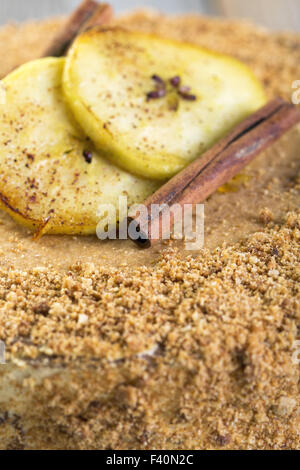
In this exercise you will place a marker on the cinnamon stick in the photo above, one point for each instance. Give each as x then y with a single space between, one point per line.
89 14
102 16
216 166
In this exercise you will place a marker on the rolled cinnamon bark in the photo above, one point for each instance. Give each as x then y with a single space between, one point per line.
215 167
90 13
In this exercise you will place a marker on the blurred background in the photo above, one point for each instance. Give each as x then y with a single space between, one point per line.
275 14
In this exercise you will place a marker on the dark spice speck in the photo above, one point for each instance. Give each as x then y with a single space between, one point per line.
223 441
88 156
42 309
275 252
158 79
154 95
188 97
175 81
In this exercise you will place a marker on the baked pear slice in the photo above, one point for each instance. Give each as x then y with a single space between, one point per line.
51 177
152 104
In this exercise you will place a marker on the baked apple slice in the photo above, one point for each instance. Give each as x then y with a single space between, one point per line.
154 105
51 177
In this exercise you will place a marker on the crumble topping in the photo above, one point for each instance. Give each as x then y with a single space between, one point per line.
216 301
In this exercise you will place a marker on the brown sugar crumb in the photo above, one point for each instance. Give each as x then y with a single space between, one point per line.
223 441
42 309
266 216
292 220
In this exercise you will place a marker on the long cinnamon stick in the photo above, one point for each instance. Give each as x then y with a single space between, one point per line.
90 13
216 166
102 16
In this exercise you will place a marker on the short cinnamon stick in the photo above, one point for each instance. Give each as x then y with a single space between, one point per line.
89 14
217 166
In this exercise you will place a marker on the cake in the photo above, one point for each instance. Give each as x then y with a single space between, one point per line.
108 347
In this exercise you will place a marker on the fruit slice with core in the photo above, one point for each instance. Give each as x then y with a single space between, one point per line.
51 177
153 105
